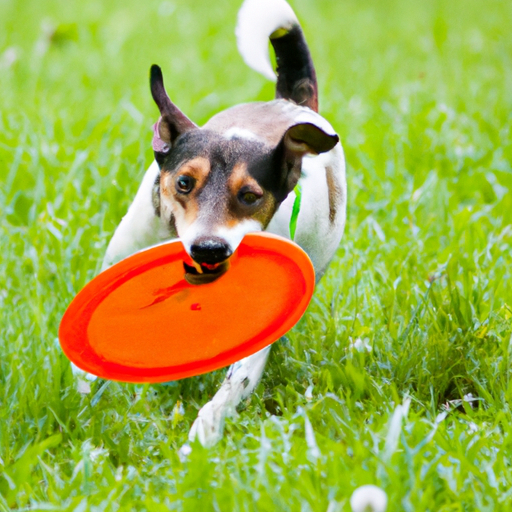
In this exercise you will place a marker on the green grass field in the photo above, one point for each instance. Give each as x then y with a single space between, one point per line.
400 372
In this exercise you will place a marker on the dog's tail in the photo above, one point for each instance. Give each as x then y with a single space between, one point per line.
259 20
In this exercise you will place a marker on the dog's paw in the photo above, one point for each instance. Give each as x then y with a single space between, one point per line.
208 427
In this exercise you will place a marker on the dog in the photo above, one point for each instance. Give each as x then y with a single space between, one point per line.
240 173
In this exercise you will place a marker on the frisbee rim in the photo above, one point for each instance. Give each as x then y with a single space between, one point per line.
78 348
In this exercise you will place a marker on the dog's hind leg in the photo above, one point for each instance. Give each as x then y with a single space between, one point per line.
241 380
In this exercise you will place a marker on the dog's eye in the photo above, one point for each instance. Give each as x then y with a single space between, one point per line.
249 197
184 184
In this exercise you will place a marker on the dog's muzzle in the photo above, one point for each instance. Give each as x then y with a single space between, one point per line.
210 256
210 251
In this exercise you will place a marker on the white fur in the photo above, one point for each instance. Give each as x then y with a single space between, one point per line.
241 379
140 227
242 133
192 233
257 20
306 115
314 231
233 236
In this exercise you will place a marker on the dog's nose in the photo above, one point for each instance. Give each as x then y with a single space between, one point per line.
210 250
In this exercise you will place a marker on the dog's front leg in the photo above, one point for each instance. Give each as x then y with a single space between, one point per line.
141 227
241 380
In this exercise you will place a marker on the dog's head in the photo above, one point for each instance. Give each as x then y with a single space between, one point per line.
222 181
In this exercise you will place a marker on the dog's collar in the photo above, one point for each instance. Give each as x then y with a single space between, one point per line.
295 210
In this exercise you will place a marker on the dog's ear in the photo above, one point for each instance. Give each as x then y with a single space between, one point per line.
172 123
298 140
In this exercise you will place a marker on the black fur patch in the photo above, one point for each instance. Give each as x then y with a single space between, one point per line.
264 163
296 76
156 196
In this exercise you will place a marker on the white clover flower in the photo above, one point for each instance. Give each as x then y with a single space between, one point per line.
83 387
361 345
184 452
368 498
9 57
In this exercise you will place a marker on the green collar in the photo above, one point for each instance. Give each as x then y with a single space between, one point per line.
295 211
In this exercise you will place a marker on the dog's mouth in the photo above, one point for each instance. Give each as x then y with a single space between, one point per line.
204 273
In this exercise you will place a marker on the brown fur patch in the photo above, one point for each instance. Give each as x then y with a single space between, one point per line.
240 178
335 192
267 121
262 212
197 168
266 210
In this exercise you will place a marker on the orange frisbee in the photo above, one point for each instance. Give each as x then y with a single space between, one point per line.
142 321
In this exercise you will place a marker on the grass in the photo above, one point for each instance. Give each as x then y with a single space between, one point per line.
421 95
